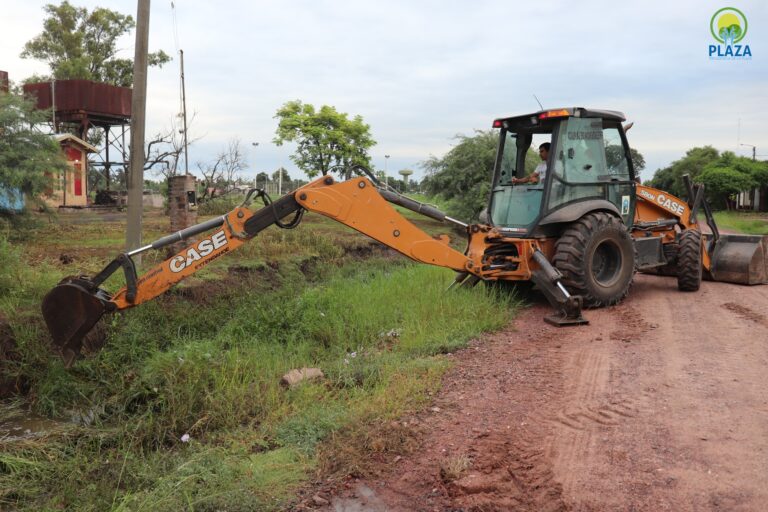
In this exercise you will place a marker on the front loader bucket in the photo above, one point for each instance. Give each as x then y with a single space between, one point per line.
741 259
70 310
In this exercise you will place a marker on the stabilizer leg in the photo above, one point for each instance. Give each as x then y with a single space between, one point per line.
568 306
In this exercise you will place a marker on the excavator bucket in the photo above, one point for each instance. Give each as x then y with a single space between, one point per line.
70 310
741 259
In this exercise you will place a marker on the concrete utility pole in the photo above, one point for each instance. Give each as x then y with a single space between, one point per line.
138 113
754 150
386 172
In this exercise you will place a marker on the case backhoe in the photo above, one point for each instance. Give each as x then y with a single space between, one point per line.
579 235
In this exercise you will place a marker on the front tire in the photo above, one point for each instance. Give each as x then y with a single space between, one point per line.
689 269
596 256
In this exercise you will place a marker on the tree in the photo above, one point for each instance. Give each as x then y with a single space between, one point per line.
614 156
729 175
276 176
27 156
262 178
233 160
165 150
223 171
324 138
695 160
721 183
80 44
463 175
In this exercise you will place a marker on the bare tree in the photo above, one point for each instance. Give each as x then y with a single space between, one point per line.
224 171
165 150
212 174
234 162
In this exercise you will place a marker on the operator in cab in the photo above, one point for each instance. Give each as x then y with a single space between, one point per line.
538 175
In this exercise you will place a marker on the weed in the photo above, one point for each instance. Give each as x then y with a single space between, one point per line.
453 467
220 205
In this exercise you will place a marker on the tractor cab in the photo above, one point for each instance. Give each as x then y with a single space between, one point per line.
588 168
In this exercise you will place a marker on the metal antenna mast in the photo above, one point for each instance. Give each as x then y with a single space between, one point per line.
184 113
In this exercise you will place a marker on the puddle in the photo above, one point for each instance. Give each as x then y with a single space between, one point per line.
25 425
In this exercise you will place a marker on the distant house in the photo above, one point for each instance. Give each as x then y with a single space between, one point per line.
70 188
755 199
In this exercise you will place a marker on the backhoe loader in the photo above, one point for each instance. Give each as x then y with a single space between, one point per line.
579 235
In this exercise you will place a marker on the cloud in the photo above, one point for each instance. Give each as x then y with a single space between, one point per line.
421 72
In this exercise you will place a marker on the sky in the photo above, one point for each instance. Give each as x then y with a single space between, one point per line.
422 72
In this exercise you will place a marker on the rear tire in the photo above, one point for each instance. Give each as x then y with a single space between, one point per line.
689 269
596 256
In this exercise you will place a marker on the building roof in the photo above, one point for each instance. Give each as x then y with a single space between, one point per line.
62 137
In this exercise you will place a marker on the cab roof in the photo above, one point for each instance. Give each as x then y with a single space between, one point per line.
551 113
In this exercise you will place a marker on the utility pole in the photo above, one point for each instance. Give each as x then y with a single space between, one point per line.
754 150
386 172
138 113
255 172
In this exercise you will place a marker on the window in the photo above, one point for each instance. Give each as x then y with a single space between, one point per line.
579 162
615 157
581 157
508 159
513 206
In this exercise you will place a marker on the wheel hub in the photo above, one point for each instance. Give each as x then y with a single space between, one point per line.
606 263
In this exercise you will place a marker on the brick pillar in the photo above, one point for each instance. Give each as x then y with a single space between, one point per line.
182 206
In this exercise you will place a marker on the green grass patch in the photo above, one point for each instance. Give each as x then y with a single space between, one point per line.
742 222
205 361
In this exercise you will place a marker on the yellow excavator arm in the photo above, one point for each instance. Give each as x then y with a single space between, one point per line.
741 259
73 307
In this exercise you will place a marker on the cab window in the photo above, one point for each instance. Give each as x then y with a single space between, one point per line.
508 167
615 156
581 156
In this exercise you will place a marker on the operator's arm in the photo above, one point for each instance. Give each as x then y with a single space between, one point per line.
531 178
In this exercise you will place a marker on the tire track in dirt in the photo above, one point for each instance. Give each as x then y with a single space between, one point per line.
511 467
658 404
700 426
485 416
747 313
593 404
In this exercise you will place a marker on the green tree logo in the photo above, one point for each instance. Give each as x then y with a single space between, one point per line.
728 25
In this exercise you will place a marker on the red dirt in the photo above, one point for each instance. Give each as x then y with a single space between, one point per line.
658 404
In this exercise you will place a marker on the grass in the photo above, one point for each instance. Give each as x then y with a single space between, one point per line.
742 222
205 361
454 467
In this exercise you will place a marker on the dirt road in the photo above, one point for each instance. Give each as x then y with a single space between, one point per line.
661 403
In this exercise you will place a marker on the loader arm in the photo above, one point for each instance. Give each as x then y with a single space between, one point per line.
73 307
741 259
